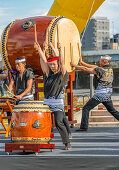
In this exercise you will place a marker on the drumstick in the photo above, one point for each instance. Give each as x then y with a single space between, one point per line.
35 33
9 91
71 53
64 54
57 34
48 35
79 52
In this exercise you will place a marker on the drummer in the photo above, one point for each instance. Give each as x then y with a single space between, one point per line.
55 80
22 80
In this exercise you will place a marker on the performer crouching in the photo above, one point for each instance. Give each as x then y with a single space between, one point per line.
55 80
23 81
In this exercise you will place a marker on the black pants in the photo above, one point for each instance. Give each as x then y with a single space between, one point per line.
66 123
60 125
90 105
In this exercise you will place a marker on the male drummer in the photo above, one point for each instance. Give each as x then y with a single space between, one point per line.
22 80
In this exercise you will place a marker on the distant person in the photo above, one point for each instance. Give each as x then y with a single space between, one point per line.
103 78
3 75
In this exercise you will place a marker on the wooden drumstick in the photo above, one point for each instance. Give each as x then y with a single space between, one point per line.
64 54
79 52
9 91
48 35
71 53
35 33
57 34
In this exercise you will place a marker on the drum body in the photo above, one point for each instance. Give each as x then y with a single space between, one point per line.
17 41
31 122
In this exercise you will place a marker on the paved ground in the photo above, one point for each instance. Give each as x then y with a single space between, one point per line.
98 141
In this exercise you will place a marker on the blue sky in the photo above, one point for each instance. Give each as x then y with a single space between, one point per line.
18 9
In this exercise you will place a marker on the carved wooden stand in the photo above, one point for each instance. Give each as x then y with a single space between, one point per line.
5 108
9 147
34 147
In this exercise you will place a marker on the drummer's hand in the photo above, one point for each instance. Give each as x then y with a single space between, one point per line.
72 64
50 44
19 97
37 46
59 46
4 68
45 45
81 63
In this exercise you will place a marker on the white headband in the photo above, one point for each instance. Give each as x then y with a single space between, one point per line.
22 60
106 58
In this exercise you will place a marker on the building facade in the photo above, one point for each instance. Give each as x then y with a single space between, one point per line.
97 34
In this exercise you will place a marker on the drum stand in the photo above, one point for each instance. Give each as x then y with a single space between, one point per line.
69 106
34 147
5 108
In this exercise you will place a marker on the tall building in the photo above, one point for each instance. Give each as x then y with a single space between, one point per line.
114 42
97 35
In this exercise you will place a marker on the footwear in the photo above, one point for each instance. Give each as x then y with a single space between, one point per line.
80 130
70 136
68 146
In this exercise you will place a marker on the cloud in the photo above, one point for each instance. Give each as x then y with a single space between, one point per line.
39 12
110 9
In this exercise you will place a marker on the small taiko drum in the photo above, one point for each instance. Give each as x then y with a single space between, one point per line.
31 122
19 36
11 100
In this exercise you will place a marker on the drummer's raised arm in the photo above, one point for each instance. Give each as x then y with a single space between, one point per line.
56 53
61 60
43 60
11 85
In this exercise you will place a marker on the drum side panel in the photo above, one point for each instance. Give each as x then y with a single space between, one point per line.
21 43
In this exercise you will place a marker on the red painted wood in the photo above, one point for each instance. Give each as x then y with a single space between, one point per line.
9 147
52 135
21 43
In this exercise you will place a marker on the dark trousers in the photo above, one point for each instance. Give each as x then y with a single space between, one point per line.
60 125
66 123
90 105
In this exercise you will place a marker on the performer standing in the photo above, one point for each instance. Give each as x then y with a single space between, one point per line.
103 88
55 80
23 81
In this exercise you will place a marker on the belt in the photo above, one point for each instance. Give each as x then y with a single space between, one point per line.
53 101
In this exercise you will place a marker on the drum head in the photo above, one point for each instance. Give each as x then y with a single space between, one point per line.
66 32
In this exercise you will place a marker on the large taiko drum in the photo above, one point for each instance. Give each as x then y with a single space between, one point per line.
18 40
31 122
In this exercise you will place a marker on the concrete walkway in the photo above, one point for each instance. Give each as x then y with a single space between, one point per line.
98 141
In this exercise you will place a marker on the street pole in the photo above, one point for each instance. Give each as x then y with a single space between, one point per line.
91 85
